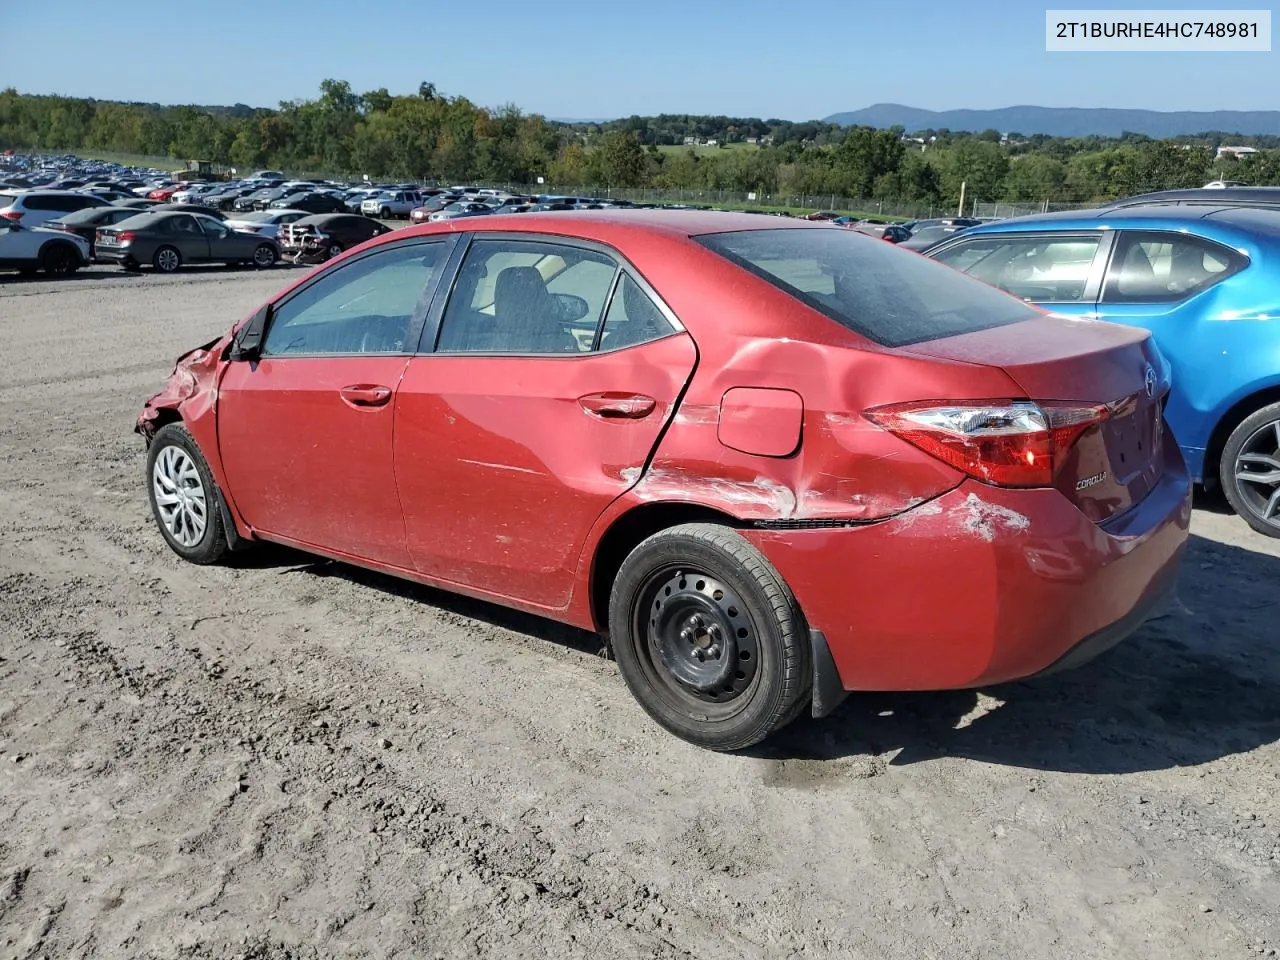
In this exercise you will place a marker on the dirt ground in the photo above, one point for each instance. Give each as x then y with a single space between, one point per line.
291 758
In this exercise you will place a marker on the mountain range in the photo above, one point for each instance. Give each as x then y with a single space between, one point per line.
1065 121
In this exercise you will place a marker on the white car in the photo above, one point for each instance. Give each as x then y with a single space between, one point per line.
28 249
32 208
265 223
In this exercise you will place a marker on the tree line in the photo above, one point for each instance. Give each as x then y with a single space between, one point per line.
429 135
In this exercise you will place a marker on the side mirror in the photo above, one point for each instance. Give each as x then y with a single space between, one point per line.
571 307
247 344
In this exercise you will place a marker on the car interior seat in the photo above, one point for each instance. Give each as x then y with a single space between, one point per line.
527 318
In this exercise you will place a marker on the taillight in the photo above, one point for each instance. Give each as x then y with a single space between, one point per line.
126 237
12 214
1003 442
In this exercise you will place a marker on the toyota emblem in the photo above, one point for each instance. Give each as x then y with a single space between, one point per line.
1150 381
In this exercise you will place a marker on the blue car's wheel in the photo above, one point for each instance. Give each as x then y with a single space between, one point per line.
1250 470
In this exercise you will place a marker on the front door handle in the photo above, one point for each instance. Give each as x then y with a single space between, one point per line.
618 406
365 395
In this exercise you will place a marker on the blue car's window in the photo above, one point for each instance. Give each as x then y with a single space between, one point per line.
1162 267
1040 269
890 296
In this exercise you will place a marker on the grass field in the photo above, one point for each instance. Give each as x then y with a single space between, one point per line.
707 151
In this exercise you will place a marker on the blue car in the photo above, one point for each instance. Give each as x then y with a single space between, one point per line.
1205 281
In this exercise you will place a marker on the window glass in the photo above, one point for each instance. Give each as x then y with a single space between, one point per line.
362 307
182 224
632 318
887 295
1038 269
38 201
517 296
214 228
1152 267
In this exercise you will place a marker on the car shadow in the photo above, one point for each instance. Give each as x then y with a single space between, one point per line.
1198 683
1194 685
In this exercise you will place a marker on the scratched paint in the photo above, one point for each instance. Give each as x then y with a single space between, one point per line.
983 519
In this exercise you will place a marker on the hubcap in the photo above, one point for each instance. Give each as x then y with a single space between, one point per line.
168 260
700 636
180 496
1258 473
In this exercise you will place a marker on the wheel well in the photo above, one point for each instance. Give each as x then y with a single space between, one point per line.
164 417
627 532
55 243
1230 420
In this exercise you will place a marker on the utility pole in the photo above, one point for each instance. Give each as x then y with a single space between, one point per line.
960 210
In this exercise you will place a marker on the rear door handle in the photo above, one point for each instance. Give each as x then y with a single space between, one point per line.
618 406
365 395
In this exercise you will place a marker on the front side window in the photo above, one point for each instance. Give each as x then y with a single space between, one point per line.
366 306
890 296
517 296
1156 267
1038 269
214 229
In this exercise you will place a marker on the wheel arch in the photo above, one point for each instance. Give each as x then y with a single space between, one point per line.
1235 414
625 532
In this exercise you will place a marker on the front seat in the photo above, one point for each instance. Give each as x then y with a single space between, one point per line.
526 314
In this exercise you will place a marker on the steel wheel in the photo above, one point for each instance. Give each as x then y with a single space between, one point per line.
180 496
167 260
701 644
1257 473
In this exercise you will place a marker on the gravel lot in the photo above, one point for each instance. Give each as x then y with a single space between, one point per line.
291 758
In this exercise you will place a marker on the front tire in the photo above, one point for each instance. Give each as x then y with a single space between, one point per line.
334 250
264 255
167 259
184 499
708 637
1250 470
386 213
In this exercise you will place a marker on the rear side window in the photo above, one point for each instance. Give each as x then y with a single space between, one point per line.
41 201
6 199
1036 268
1161 267
889 296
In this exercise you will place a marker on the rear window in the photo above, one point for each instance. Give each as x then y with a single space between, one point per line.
889 296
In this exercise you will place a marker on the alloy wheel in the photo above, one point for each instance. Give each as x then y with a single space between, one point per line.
1257 471
263 256
167 260
180 496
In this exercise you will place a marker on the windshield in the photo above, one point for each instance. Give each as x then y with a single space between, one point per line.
887 295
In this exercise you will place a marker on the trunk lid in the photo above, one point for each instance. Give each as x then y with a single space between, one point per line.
1115 464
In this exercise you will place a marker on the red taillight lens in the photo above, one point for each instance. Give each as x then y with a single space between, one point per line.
1001 442
12 214
126 237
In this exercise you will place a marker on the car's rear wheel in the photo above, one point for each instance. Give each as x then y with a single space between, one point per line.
184 498
59 260
167 259
1250 470
264 255
708 637
333 250
386 213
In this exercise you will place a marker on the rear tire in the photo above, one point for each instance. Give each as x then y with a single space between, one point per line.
167 259
184 499
385 213
708 637
1250 470
334 249
59 260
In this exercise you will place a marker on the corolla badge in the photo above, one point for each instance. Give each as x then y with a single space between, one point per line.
1149 380
1087 482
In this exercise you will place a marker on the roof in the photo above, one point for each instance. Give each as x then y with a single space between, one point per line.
1208 195
1231 224
608 225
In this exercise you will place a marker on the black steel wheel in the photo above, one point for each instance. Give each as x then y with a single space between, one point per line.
1250 470
708 637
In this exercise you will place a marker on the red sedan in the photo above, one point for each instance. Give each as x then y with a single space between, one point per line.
773 461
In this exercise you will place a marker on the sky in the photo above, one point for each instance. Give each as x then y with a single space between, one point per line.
573 59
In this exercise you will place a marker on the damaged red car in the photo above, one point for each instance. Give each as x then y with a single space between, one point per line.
772 461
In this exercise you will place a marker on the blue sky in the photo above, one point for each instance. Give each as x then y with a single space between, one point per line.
569 58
